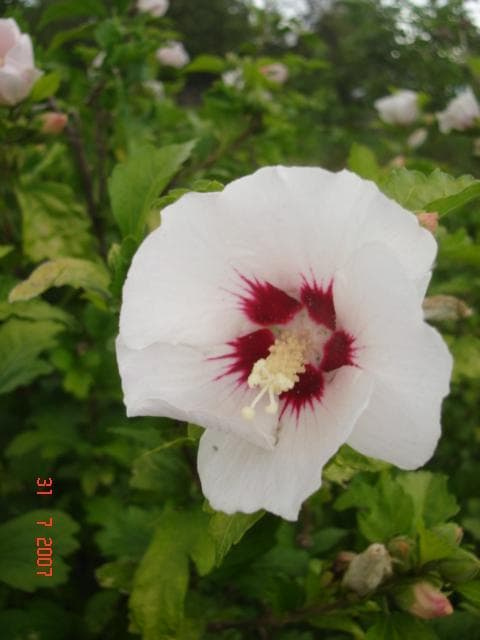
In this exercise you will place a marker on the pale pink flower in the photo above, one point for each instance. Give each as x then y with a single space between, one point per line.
275 72
173 54
53 122
461 112
156 8
400 108
17 68
284 315
429 602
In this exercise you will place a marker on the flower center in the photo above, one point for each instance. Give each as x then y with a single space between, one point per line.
278 372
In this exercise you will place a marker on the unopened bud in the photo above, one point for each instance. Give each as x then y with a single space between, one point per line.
53 122
397 162
428 220
417 138
343 560
445 308
423 600
275 72
462 566
368 569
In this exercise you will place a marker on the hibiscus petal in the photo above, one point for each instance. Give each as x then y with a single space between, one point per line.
406 359
239 476
278 225
186 384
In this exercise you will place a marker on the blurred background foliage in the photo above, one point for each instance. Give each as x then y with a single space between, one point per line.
136 550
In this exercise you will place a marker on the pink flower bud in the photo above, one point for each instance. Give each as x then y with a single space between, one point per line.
276 72
173 54
53 122
428 602
429 220
17 68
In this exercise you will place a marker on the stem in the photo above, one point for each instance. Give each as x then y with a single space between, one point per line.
73 132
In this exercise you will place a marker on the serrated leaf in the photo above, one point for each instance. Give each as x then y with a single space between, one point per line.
161 581
135 184
21 344
400 626
434 546
416 191
385 510
228 530
74 272
432 501
54 224
17 548
34 310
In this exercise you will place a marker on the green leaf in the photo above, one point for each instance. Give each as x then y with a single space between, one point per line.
5 249
18 551
227 530
161 581
416 191
206 63
54 224
46 86
35 310
385 510
21 343
337 622
471 592
74 272
400 626
135 184
347 463
450 204
68 9
362 161
432 501
435 545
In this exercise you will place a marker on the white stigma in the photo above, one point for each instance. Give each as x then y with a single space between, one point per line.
278 372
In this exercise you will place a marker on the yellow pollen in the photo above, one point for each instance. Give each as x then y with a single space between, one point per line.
278 372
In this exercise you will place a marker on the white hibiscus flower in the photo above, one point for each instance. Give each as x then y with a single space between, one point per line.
400 108
284 315
461 113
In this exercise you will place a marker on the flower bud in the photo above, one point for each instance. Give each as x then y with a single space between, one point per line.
275 72
462 566
17 69
423 600
402 550
368 569
173 54
445 308
343 560
417 138
428 220
53 122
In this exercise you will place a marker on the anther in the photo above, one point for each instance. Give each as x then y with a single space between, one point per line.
277 373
